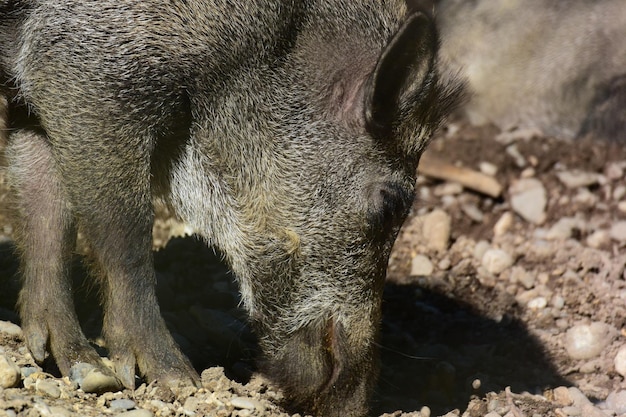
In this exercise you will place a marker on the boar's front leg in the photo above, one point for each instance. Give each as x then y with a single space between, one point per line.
106 185
46 239
108 178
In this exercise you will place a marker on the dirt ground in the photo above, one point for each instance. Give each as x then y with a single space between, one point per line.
512 305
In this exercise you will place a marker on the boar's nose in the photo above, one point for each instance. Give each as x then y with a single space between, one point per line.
326 370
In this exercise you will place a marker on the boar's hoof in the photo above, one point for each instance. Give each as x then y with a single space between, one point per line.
166 365
72 352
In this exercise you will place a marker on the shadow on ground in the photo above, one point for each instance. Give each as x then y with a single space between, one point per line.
434 349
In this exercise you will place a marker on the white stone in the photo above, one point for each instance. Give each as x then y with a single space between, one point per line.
537 303
576 179
614 171
444 264
618 231
616 401
527 173
586 341
563 228
421 266
448 188
473 212
529 199
496 260
514 153
436 230
584 196
480 248
9 328
521 275
620 361
598 238
245 403
9 372
511 136
619 192
584 407
503 224
562 396
488 168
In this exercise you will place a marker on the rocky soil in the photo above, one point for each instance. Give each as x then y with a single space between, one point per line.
510 305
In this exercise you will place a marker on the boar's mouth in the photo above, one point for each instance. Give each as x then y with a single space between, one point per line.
326 370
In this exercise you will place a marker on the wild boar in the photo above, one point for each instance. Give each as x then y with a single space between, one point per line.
287 134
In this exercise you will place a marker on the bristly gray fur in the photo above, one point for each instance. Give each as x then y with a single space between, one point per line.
262 125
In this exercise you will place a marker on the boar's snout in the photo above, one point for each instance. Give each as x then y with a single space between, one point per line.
327 370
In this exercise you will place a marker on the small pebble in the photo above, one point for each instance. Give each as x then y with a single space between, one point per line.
576 179
511 136
585 341
436 229
27 371
521 275
9 328
584 406
245 403
90 379
421 266
48 387
425 411
473 212
192 404
537 303
589 367
571 411
33 379
616 401
563 228
620 361
529 199
476 384
598 238
135 413
562 396
444 264
480 248
496 260
448 189
122 404
9 373
503 224
488 168
60 412
614 171
619 192
585 197
518 158
558 302
527 173
618 231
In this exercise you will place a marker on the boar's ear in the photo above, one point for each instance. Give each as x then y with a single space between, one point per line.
403 74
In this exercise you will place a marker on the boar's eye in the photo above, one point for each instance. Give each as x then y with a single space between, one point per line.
388 205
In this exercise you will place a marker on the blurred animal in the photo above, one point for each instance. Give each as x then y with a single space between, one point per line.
554 65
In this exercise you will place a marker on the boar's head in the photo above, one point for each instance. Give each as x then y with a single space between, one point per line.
318 187
351 158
